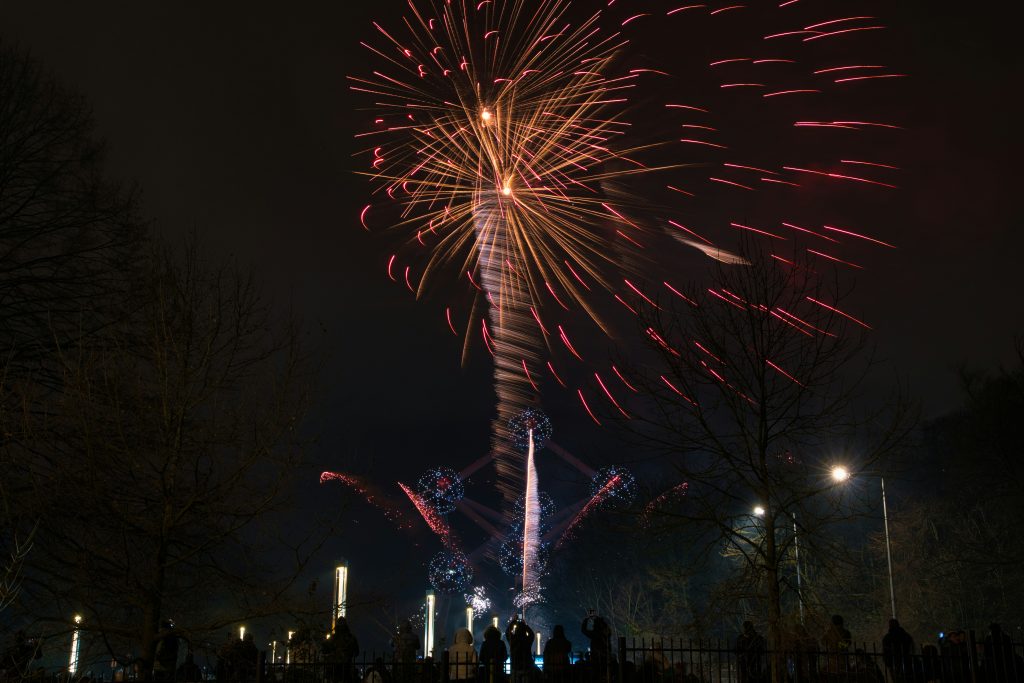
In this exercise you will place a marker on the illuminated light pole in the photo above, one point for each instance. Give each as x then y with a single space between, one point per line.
469 619
841 474
273 652
339 602
538 644
288 648
428 625
76 645
796 555
494 621
759 512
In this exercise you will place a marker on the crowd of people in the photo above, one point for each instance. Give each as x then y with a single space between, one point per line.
509 657
835 658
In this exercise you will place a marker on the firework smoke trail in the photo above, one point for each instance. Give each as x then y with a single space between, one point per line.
390 511
593 503
433 520
531 533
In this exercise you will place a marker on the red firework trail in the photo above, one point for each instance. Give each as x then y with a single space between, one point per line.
392 513
435 521
598 498
677 490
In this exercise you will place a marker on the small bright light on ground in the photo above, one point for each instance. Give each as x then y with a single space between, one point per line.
759 511
840 473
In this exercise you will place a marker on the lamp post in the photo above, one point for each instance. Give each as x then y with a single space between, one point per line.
428 625
841 474
76 645
340 602
759 512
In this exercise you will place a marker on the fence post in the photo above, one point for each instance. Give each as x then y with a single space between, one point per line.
972 655
622 659
261 661
445 657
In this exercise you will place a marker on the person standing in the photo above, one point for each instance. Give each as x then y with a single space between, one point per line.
520 641
462 657
836 641
898 653
556 656
600 634
493 655
750 654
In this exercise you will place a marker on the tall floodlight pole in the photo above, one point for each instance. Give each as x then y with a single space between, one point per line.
888 548
494 621
469 619
841 474
76 644
339 603
796 555
288 648
428 625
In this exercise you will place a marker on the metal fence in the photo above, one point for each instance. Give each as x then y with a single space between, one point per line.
658 660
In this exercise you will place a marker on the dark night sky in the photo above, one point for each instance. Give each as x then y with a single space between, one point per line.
236 121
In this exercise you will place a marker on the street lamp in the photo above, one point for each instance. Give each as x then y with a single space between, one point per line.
841 474
76 644
759 512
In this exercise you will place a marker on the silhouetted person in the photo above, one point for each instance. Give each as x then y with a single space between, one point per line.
600 634
378 673
750 654
339 650
956 657
493 654
836 642
165 661
898 652
462 657
237 660
520 641
803 649
189 671
556 656
1000 664
405 643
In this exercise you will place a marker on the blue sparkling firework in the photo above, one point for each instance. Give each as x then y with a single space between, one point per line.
441 488
623 489
521 424
450 572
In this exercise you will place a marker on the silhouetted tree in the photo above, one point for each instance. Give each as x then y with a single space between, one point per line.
171 439
752 396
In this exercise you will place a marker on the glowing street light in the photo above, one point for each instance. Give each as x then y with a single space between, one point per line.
469 619
839 475
759 511
539 653
494 621
76 644
288 648
428 625
339 602
241 633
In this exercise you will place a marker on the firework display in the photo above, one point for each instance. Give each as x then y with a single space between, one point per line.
616 483
545 503
450 572
440 487
478 601
527 424
500 151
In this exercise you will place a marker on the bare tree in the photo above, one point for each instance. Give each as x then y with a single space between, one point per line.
68 236
753 392
168 459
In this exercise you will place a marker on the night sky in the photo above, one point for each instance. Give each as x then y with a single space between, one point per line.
236 122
